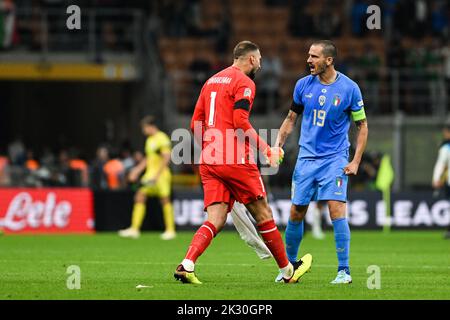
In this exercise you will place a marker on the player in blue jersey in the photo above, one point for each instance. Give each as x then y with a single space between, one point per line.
328 101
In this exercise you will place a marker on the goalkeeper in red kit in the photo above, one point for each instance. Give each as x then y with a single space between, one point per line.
227 167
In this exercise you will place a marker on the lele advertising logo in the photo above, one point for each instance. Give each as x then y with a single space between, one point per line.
46 211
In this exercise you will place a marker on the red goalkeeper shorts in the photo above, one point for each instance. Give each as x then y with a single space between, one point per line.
229 183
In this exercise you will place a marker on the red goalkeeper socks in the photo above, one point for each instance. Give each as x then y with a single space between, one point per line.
274 242
201 241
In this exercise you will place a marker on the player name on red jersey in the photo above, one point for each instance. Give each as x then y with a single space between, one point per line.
223 80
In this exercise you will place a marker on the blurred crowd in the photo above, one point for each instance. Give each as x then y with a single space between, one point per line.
21 166
400 18
423 70
323 19
416 45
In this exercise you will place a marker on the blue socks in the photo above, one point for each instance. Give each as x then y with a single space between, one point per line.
293 235
342 239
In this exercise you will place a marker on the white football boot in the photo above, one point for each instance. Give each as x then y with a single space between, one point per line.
342 277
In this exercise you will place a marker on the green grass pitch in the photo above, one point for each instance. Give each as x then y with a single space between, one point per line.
413 265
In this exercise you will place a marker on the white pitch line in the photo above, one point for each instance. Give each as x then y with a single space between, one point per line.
219 264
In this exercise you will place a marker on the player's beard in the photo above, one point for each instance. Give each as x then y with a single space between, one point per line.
252 73
321 68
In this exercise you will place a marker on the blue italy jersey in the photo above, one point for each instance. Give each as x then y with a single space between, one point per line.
326 115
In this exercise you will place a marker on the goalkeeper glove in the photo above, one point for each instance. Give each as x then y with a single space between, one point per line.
274 156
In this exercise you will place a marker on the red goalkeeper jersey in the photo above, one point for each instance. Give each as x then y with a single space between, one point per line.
215 116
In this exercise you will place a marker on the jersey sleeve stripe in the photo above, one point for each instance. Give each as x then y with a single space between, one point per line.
242 104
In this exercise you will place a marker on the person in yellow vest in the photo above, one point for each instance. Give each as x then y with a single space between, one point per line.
156 180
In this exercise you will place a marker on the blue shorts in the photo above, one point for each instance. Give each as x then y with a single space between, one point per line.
320 179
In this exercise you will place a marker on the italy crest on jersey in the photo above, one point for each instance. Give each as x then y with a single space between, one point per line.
336 100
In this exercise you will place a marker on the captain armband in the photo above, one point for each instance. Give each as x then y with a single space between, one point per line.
359 115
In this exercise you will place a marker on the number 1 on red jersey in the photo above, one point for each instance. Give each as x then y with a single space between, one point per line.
212 107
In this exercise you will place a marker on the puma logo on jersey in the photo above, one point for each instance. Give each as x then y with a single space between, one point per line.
309 95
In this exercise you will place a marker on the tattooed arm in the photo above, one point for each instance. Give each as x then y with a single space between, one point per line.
361 141
286 128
